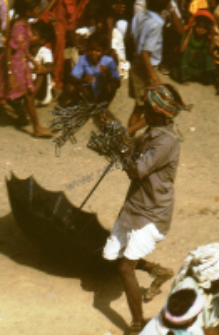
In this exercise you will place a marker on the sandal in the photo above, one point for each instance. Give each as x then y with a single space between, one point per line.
161 275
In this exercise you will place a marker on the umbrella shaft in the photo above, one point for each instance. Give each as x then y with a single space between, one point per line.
95 186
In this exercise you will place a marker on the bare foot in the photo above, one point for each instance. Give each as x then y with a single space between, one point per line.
42 132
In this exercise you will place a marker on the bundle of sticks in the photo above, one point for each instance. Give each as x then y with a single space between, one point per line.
68 121
112 141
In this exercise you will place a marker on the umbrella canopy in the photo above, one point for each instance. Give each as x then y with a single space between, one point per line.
50 220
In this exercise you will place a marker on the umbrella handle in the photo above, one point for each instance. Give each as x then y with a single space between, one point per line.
87 198
96 185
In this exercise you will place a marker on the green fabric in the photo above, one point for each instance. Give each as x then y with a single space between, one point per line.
195 63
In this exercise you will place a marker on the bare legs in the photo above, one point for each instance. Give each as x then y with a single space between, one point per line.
38 84
127 272
127 269
39 131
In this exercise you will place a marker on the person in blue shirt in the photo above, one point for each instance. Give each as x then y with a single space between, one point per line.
95 74
147 33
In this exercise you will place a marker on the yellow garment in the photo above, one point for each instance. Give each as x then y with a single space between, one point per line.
195 5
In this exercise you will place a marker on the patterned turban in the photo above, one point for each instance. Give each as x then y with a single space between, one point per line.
162 101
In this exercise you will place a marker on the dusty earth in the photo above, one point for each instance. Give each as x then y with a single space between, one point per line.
46 295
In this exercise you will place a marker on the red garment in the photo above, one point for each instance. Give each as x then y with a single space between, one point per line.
66 13
59 14
200 12
75 9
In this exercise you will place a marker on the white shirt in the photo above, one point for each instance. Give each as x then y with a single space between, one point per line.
155 327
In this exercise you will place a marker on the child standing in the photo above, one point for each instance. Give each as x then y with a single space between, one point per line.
195 60
20 83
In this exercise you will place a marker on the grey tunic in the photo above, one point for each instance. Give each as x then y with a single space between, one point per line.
150 197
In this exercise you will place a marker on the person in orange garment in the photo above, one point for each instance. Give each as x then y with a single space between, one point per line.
63 14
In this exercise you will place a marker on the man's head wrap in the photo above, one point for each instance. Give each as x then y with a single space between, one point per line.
193 310
162 101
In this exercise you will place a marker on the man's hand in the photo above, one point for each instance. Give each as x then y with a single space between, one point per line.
155 80
40 69
151 72
103 69
103 119
89 79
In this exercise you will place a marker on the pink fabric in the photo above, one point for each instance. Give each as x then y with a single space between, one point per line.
2 77
3 14
19 42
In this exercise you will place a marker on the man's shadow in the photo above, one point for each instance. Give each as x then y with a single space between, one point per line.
96 274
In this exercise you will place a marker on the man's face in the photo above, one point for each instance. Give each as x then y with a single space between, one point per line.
154 119
95 53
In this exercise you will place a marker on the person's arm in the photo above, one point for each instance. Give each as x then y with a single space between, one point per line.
43 68
156 157
211 46
15 42
80 81
112 74
78 76
110 25
175 19
185 42
138 125
149 68
153 159
212 40
153 37
211 331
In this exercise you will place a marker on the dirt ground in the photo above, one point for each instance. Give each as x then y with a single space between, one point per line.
40 294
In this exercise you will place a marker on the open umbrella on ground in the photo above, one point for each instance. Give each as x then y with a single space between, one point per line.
50 220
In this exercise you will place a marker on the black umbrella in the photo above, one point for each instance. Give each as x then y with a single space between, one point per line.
49 219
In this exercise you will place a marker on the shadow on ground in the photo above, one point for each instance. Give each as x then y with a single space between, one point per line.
7 118
96 275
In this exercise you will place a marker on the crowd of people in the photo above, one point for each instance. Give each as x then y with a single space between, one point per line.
176 38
